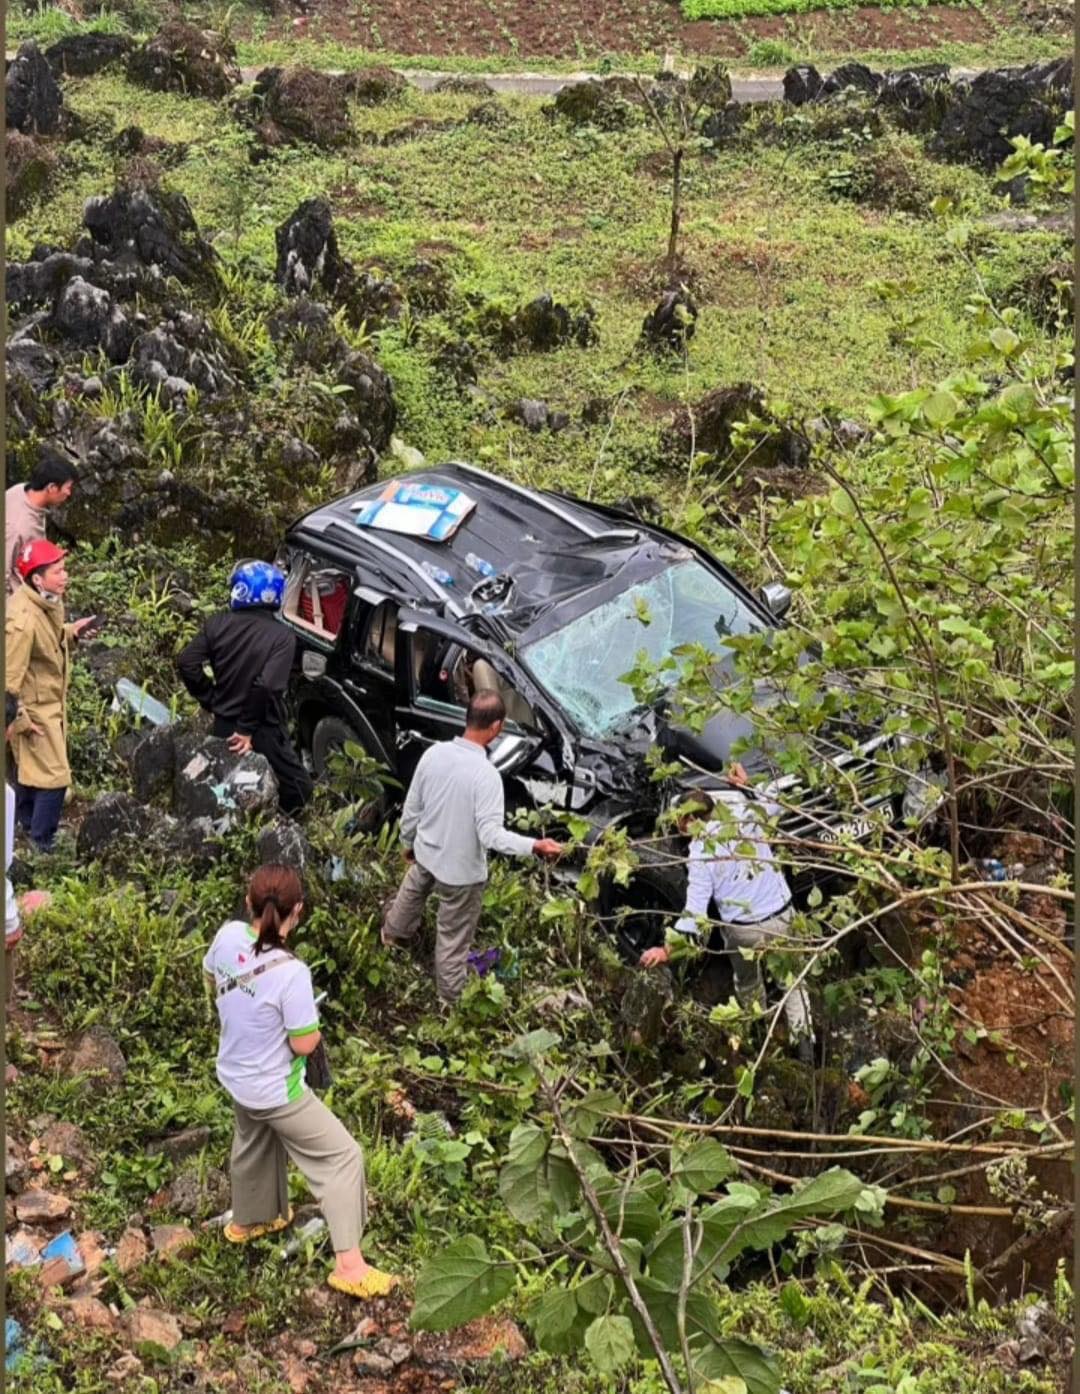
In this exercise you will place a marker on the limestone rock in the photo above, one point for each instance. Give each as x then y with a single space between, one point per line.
32 97
181 58
82 55
97 1057
180 1145
143 1325
42 1207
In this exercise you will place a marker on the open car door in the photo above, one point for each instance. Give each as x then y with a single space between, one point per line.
433 685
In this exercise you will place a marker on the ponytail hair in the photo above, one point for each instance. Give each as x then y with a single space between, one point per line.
273 894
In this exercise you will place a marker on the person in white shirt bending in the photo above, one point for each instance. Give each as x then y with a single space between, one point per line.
732 866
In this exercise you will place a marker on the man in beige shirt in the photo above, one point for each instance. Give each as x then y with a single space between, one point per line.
25 507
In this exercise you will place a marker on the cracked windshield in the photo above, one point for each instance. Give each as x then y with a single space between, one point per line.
584 664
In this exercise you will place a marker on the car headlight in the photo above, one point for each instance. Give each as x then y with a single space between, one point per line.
923 795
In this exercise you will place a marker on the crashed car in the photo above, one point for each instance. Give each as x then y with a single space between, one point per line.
540 596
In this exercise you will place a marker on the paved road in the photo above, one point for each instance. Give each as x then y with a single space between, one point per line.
747 87
743 89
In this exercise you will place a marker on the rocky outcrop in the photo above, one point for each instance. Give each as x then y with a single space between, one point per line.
802 84
283 843
33 101
180 354
545 323
373 86
83 55
988 110
916 99
181 58
969 119
710 424
609 104
88 317
291 105
213 783
462 85
672 323
153 229
856 77
365 422
96 1058
307 250
28 166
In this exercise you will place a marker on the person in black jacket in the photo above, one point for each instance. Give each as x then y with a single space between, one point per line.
250 656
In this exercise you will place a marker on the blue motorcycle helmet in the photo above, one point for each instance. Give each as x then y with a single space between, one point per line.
256 585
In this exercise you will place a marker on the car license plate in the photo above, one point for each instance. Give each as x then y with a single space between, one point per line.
856 830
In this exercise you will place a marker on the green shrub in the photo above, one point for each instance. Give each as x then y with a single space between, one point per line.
771 53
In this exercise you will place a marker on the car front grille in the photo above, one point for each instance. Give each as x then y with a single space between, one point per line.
847 803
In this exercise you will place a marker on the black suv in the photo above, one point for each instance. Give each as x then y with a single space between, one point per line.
540 596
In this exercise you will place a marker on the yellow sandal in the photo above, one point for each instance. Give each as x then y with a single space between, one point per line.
235 1235
373 1284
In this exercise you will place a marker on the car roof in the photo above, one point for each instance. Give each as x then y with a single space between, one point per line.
553 547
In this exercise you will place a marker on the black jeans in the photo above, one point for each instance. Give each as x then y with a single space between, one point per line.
37 811
294 783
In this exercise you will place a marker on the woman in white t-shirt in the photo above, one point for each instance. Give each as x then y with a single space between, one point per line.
269 1026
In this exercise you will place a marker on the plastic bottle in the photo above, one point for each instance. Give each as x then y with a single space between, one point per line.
312 1230
485 568
141 703
437 573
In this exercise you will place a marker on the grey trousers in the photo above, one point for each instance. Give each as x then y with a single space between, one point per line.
322 1148
455 924
749 982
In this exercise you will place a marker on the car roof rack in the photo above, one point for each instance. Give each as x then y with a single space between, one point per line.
540 496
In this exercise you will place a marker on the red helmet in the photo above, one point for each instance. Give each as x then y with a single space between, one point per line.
35 554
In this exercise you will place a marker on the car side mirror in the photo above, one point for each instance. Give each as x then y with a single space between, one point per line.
313 665
510 752
776 598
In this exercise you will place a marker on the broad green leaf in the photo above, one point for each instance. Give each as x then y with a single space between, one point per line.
594 1294
610 1343
940 408
702 1166
459 1284
632 1213
834 1190
733 1358
532 1044
558 1323
717 1223
702 1316
1004 340
523 1179
591 1113
841 504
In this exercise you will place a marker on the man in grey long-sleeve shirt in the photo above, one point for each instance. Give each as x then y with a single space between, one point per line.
453 815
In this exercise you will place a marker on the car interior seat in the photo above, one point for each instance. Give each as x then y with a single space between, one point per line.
486 679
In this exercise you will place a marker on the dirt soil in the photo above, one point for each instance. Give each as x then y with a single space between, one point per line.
1025 1063
563 29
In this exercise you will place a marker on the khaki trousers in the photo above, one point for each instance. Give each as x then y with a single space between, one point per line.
749 982
322 1148
455 924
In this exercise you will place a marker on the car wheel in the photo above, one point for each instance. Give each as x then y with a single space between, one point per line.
330 736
